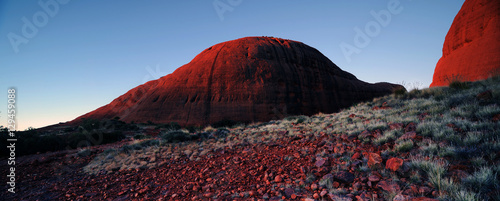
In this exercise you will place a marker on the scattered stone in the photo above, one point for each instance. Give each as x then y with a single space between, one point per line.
394 164
374 160
289 192
316 196
339 197
396 126
424 190
323 193
355 156
411 127
408 136
314 186
278 179
496 118
388 186
400 197
356 186
373 178
423 199
320 161
344 177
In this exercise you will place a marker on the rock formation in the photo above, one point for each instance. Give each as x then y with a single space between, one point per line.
471 48
245 80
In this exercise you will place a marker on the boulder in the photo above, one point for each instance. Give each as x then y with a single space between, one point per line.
244 80
472 46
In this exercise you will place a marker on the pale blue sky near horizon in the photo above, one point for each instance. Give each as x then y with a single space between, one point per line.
84 54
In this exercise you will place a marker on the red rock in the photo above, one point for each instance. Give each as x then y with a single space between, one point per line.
388 186
411 127
408 136
316 196
484 96
395 126
246 80
335 184
208 195
424 190
373 178
355 156
278 179
323 193
472 45
374 160
400 197
394 164
320 161
496 118
423 199
356 186
339 197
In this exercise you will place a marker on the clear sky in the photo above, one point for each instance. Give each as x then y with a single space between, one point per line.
69 57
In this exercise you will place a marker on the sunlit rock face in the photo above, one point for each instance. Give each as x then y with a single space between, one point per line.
471 48
245 80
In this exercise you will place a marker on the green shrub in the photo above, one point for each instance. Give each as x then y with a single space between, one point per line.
427 128
483 181
456 84
176 136
298 119
404 146
378 125
387 137
400 92
326 182
141 136
463 195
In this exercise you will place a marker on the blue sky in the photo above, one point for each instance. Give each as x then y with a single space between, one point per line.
83 54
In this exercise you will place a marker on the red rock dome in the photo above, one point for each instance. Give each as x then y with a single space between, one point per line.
471 48
245 80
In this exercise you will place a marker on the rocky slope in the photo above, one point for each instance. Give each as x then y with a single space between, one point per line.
248 79
471 49
432 144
